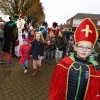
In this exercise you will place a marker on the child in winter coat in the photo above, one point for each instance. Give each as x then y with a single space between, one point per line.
49 46
37 51
25 54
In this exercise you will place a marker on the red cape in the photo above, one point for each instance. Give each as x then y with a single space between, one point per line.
59 82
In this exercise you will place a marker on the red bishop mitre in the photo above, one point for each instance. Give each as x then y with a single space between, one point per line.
86 31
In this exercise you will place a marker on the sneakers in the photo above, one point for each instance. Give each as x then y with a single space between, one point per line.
25 71
2 62
10 64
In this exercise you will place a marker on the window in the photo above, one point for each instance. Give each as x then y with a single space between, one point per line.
98 23
76 22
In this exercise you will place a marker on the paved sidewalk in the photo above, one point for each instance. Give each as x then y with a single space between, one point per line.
15 85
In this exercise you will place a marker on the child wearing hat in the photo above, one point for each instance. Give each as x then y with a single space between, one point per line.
25 54
77 77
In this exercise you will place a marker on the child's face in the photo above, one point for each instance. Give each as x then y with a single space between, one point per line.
71 38
32 32
51 34
25 42
38 37
83 49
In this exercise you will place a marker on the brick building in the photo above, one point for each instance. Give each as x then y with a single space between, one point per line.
73 22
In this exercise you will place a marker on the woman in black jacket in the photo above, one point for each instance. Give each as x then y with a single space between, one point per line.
60 46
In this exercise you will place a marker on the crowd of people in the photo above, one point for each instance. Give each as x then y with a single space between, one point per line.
22 40
74 75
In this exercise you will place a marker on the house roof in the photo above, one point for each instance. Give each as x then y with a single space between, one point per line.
87 15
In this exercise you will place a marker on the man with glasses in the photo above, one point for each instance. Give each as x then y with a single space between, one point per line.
77 77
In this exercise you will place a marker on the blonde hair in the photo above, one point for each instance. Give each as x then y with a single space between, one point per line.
41 37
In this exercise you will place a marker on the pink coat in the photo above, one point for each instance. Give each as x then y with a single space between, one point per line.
24 52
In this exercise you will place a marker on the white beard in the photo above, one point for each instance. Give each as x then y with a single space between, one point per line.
20 23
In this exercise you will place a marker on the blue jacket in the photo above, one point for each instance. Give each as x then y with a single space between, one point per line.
44 32
37 49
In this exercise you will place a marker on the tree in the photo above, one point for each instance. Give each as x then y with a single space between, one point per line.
40 13
33 9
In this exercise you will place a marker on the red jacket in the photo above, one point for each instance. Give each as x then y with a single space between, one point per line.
59 82
25 51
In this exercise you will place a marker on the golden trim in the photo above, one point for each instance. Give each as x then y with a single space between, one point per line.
87 83
62 66
95 76
71 58
83 41
76 68
94 27
67 80
95 31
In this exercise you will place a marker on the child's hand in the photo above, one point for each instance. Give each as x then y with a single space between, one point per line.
21 55
42 57
48 42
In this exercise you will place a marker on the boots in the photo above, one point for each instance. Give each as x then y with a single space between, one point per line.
34 72
38 68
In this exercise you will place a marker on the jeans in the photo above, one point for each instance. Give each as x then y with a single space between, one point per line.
59 55
25 64
54 52
48 55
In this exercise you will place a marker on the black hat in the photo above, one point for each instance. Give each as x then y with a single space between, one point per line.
55 24
15 16
10 18
44 23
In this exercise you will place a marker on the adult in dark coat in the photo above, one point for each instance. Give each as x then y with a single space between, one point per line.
10 35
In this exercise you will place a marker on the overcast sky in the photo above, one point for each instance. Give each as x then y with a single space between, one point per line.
61 10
